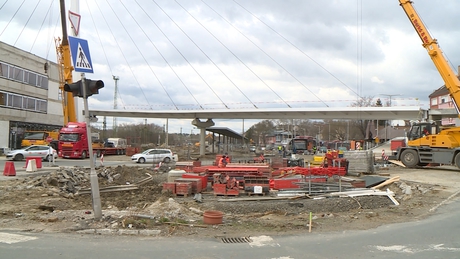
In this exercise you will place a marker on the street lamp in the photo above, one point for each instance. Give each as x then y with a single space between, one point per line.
390 95
386 121
114 126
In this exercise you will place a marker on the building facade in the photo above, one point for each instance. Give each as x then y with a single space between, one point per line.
29 95
440 100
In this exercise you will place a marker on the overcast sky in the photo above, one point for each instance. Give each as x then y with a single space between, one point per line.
189 54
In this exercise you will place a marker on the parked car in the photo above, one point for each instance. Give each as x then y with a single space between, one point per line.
252 148
45 152
155 156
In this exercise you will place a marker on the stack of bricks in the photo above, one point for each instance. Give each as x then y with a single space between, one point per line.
183 188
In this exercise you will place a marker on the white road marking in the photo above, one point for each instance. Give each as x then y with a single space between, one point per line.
14 238
414 249
263 241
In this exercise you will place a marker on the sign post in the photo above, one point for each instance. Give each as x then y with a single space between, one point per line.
82 63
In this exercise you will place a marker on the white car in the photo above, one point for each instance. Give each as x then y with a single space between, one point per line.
155 156
45 152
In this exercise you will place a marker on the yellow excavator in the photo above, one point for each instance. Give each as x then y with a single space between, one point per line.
427 144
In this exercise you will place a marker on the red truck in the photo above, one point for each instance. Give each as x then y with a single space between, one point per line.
73 143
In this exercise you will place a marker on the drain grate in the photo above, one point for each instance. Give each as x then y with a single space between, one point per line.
236 240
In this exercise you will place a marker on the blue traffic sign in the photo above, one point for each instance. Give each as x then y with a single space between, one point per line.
80 55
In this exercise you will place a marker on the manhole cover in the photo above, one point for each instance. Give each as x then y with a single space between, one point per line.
235 240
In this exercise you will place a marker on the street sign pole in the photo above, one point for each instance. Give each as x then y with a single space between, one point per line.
95 193
82 63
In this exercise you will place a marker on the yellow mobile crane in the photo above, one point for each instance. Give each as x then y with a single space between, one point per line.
65 70
426 142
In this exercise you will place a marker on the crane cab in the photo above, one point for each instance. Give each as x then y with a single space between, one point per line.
422 129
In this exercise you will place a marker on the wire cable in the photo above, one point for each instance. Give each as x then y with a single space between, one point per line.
183 56
292 44
228 22
1 7
41 26
231 52
162 56
122 53
27 22
14 15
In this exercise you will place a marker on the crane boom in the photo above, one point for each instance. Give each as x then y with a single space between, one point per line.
431 45
65 71
426 142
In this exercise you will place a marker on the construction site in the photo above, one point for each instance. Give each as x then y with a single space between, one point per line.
247 197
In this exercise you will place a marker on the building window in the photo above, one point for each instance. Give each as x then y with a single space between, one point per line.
16 101
3 99
41 106
3 70
30 104
23 76
10 100
434 101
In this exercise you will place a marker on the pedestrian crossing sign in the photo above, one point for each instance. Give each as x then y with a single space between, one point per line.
80 55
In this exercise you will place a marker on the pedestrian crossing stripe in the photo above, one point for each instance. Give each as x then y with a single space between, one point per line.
14 238
82 61
80 55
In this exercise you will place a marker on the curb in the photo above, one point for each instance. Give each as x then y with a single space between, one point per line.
125 232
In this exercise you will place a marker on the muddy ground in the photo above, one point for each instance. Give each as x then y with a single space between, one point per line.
54 203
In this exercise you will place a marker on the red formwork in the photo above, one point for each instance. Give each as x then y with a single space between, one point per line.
250 181
219 189
202 177
195 183
169 187
183 188
292 183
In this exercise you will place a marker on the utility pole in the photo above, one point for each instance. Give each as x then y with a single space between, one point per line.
115 103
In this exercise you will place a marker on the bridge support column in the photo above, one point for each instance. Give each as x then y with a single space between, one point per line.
202 125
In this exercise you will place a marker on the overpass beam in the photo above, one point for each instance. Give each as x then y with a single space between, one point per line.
202 125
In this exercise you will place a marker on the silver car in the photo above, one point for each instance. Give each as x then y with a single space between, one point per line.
155 156
45 152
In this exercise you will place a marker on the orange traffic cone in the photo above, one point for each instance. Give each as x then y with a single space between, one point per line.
9 169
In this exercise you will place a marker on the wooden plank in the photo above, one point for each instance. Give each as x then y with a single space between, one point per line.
396 162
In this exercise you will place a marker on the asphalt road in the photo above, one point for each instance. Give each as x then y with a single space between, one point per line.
435 237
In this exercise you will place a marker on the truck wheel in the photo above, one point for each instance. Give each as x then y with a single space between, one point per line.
457 160
83 155
409 158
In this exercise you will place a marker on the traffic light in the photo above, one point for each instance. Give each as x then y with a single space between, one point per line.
93 86
75 88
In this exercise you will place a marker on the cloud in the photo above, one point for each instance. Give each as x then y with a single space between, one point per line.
377 80
265 53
